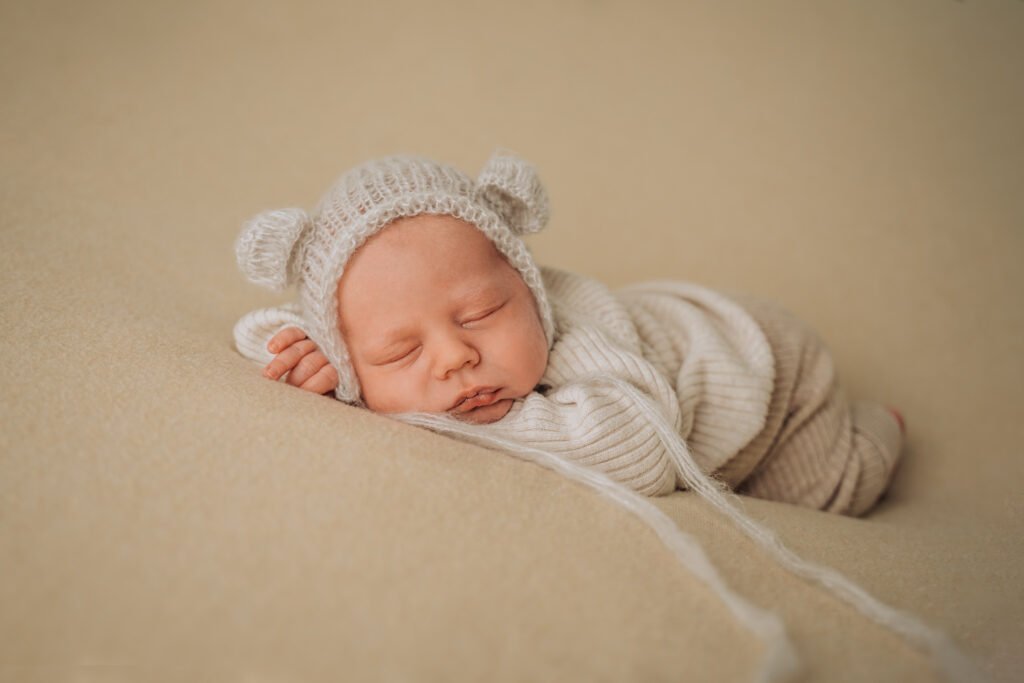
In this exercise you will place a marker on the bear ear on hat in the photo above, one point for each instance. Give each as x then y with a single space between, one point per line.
510 186
266 247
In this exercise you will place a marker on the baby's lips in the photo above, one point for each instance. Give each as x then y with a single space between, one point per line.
484 397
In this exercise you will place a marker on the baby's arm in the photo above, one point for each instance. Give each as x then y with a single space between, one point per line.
594 422
255 329
281 328
299 356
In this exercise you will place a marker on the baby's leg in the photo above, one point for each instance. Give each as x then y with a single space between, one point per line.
819 450
840 458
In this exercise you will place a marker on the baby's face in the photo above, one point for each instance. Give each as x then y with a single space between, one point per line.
437 321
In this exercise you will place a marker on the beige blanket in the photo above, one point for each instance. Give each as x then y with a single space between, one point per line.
168 514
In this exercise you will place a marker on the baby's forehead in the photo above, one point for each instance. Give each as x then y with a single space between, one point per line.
424 255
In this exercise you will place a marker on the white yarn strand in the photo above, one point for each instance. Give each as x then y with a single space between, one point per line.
779 662
951 661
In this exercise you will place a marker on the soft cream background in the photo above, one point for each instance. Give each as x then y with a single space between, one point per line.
167 514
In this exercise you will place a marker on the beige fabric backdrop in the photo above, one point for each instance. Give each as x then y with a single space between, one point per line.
167 514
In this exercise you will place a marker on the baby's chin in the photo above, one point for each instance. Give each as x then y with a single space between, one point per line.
486 414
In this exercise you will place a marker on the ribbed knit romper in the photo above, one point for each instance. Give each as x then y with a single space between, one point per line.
750 388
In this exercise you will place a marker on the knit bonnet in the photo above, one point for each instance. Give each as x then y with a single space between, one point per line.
290 246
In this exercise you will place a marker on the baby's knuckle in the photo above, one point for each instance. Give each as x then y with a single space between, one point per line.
324 381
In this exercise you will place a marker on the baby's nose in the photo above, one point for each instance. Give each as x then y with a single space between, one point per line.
453 355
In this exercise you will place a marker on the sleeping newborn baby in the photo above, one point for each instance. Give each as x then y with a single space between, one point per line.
435 320
417 295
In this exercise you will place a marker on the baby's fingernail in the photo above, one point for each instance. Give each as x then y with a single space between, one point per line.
273 348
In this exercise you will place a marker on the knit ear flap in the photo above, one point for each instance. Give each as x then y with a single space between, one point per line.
266 247
511 187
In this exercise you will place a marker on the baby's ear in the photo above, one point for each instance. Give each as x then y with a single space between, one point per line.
511 187
266 247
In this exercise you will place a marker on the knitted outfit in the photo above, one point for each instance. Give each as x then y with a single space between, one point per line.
750 390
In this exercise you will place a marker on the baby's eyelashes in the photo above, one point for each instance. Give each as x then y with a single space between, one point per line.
392 358
476 317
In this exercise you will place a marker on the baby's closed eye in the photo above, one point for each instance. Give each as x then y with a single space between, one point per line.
482 314
395 356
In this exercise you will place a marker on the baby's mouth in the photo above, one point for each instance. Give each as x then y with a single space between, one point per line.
475 398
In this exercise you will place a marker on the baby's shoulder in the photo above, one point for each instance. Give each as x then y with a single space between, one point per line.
564 286
577 300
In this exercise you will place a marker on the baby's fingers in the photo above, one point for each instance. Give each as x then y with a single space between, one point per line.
326 379
285 338
288 359
308 366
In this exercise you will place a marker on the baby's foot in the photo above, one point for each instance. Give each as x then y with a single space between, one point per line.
899 418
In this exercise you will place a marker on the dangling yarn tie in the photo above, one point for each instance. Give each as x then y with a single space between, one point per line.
951 661
780 661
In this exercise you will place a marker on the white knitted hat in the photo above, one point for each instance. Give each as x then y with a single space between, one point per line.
283 247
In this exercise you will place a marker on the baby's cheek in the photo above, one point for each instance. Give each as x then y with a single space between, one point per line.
396 392
378 395
540 359
533 358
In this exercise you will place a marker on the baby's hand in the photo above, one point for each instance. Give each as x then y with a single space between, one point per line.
306 366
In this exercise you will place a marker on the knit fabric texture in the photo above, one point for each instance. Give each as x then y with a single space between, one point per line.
283 247
750 389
